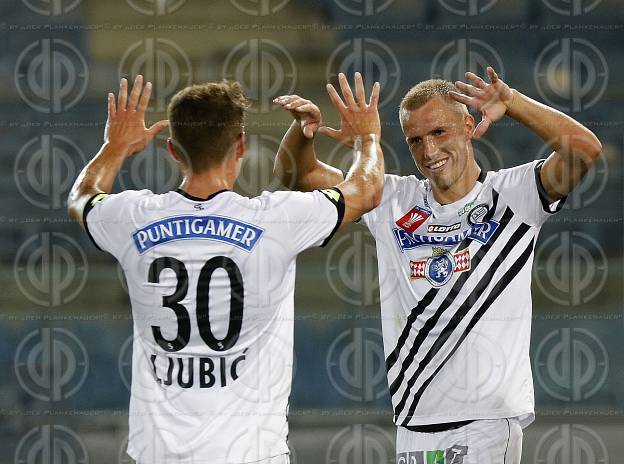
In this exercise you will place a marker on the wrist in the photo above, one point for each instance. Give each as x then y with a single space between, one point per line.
510 102
365 138
117 150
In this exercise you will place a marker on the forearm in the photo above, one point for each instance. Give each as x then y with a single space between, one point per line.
564 135
297 166
363 186
97 176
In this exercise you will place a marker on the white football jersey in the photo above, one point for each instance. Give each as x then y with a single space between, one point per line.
211 284
455 285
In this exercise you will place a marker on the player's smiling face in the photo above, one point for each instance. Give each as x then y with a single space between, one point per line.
438 137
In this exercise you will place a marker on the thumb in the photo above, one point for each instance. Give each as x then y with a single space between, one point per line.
482 127
156 128
331 133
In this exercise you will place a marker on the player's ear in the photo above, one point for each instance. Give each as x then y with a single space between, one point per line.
241 147
469 121
172 150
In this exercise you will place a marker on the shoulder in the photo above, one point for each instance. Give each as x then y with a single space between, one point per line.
402 185
512 176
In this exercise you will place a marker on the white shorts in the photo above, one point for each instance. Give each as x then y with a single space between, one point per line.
497 441
281 459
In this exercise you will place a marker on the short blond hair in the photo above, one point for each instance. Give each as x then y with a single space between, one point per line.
427 90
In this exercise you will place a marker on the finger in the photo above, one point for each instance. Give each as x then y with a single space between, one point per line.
156 128
123 95
135 93
482 127
112 111
346 90
359 90
476 80
467 88
145 98
296 103
461 98
308 130
374 98
335 98
305 108
284 99
330 132
492 74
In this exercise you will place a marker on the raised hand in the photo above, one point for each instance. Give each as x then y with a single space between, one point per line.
356 116
304 111
125 128
492 100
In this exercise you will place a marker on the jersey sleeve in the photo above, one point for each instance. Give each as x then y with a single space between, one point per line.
522 188
108 217
308 219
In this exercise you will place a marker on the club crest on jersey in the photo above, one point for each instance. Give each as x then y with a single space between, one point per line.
478 213
224 229
439 268
413 219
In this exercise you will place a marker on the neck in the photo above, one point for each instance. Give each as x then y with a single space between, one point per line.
206 183
460 188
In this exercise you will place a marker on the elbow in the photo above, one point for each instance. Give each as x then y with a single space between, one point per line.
589 144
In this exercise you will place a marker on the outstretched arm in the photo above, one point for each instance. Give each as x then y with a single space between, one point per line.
575 147
296 162
125 135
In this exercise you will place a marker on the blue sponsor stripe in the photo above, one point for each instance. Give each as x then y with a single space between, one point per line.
481 232
224 229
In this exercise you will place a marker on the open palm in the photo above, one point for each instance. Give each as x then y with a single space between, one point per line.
492 100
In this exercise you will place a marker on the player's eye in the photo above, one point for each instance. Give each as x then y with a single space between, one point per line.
438 132
414 141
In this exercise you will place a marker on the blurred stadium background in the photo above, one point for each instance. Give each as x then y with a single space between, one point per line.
65 320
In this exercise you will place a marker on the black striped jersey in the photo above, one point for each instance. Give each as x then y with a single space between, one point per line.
211 284
455 285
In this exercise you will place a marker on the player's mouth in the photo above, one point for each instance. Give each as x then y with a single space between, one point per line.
438 165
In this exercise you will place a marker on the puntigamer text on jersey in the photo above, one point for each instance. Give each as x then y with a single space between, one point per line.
224 229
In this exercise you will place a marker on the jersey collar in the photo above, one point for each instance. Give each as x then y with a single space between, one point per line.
194 198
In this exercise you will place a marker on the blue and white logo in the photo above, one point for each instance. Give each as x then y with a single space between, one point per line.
224 229
481 232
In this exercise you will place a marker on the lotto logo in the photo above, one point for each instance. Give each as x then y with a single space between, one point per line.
413 219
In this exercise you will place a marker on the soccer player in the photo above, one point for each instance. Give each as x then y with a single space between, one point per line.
454 254
211 273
